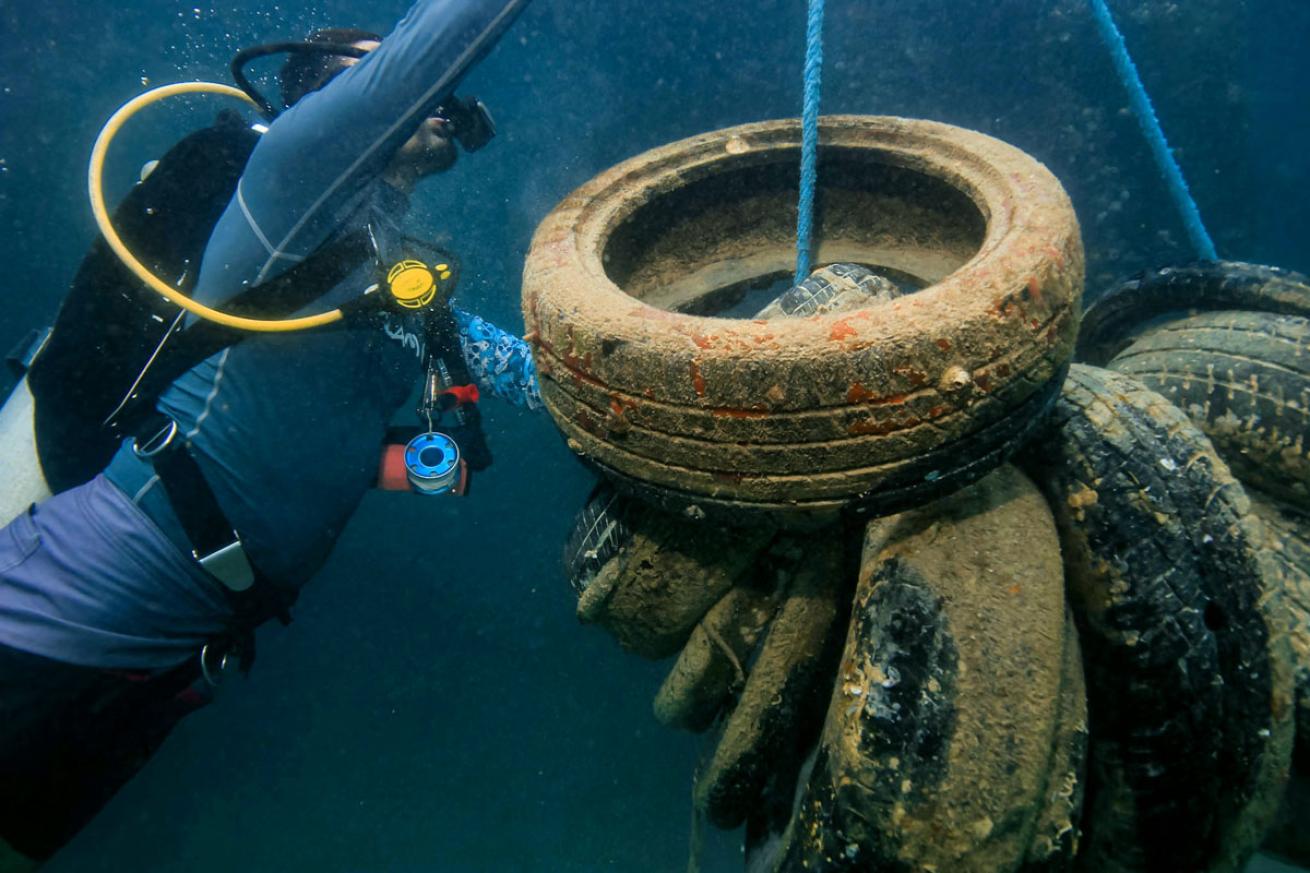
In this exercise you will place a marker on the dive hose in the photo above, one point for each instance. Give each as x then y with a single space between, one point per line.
95 184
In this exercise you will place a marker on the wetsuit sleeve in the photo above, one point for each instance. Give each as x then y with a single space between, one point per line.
498 361
318 159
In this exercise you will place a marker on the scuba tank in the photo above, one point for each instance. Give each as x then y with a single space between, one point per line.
109 325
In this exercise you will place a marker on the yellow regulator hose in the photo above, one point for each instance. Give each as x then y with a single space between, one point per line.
96 185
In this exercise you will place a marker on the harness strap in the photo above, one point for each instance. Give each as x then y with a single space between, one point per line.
276 298
217 548
194 504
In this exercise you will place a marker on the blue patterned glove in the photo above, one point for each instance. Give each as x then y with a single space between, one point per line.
499 362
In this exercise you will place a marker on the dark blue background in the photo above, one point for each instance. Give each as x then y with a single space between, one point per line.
436 706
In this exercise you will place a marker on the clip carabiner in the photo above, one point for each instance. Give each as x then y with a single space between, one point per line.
213 675
157 443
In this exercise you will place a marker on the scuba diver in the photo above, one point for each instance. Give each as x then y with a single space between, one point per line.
236 458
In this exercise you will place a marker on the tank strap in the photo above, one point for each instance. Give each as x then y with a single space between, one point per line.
279 297
25 351
217 547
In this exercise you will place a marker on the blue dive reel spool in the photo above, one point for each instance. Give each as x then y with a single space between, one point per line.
432 463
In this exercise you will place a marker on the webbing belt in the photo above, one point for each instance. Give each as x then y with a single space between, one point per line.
217 548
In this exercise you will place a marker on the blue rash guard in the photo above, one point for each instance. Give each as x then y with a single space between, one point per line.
286 427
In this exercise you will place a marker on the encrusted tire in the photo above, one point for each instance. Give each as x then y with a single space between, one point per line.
1117 316
881 408
955 734
1287 543
648 577
1244 379
1188 666
712 666
778 710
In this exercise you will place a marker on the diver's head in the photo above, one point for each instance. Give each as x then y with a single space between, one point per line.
330 51
305 72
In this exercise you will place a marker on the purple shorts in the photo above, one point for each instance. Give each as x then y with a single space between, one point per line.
88 578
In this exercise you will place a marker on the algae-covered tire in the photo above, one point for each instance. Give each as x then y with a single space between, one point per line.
712 665
1287 543
1117 316
835 288
952 737
655 576
781 704
1186 652
600 530
1244 379
879 408
1289 838
1055 839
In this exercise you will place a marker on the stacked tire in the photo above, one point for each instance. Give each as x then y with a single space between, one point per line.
1228 343
794 422
1186 650
947 601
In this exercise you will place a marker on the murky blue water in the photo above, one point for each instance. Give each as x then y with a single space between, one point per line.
436 706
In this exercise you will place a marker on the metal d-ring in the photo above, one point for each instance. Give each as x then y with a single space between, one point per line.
156 443
214 677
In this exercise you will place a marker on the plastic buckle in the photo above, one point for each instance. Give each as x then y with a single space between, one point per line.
229 565
157 443
20 358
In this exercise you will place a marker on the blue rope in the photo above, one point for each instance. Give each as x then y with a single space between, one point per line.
809 139
1150 124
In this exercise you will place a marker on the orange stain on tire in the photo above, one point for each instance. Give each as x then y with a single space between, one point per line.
840 331
697 380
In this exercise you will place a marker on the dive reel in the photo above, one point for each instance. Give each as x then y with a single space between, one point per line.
433 464
433 461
